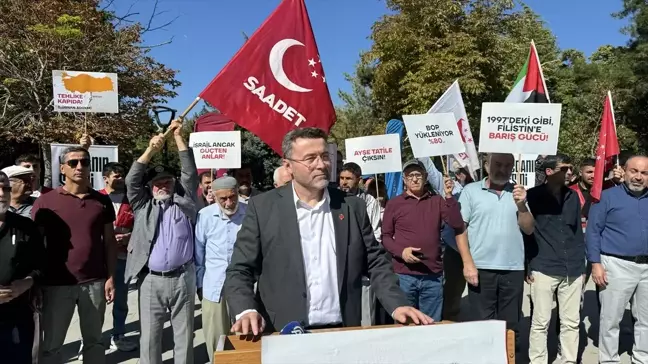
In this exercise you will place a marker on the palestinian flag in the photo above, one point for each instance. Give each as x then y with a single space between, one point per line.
530 84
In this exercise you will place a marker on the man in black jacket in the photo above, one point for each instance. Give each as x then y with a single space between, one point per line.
21 254
555 255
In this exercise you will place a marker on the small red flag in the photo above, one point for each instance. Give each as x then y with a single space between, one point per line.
275 82
608 147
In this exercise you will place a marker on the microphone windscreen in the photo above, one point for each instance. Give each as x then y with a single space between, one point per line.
292 328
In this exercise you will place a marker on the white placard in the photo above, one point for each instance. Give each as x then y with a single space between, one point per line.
216 149
375 154
100 155
524 170
519 128
76 91
431 135
482 342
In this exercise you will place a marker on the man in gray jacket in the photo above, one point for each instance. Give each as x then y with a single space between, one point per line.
160 252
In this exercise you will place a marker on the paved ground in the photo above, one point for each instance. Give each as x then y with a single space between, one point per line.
589 335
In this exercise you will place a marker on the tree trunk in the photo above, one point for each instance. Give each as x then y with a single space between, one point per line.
46 152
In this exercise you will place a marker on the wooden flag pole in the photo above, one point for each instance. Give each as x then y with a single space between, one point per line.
445 167
184 113
518 174
376 183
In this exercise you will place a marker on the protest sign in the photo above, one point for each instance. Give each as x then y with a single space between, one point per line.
85 92
524 170
100 155
375 154
519 128
433 134
216 149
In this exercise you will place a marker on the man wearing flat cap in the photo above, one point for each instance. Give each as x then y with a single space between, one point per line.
21 180
161 248
216 232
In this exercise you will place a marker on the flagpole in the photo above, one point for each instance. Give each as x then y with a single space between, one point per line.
609 95
184 113
544 84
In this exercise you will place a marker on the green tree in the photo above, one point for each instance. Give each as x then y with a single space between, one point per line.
425 45
582 87
41 36
356 117
634 111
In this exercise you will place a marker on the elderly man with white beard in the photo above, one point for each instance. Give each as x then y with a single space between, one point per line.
216 231
161 248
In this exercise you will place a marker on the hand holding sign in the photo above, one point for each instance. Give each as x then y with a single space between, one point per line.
519 195
448 186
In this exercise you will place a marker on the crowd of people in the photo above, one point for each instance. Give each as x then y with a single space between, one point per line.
320 252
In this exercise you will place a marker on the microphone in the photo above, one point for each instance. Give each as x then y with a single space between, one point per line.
293 328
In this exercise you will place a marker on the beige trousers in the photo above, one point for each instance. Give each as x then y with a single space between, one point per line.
568 292
215 322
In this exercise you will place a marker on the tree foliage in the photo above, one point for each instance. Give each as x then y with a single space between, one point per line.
41 36
427 44
422 46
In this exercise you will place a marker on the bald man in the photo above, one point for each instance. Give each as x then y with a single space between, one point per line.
617 247
281 177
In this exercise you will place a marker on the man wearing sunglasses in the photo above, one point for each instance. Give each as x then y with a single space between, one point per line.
81 255
554 253
161 248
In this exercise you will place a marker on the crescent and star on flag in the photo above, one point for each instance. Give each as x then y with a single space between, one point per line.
276 65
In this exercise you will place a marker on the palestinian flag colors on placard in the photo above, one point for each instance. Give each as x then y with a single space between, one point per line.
530 85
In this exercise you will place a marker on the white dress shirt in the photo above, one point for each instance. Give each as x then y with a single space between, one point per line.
318 248
320 265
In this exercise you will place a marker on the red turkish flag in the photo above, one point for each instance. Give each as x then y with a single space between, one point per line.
608 147
275 82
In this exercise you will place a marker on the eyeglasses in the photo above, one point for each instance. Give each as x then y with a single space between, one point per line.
567 168
73 163
311 161
414 176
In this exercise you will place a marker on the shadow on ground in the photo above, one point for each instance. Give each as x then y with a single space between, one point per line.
70 350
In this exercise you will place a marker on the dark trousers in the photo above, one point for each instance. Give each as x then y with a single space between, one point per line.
17 337
454 284
498 297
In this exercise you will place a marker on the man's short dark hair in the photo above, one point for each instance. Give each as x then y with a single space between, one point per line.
588 162
74 149
354 168
552 161
113 167
28 158
299 133
203 174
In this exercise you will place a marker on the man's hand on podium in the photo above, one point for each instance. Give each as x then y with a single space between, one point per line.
251 322
407 314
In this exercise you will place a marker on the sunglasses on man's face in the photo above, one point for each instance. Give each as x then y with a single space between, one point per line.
73 163
564 169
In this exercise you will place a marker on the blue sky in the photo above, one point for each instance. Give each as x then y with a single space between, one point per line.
207 33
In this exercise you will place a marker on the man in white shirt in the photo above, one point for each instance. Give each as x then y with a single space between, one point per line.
309 246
